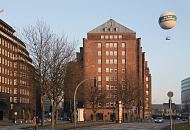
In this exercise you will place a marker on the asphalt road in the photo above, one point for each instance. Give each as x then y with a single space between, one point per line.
129 126
123 126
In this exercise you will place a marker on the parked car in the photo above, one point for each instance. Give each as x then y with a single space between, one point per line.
159 120
184 119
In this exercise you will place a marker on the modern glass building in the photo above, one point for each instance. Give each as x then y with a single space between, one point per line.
185 91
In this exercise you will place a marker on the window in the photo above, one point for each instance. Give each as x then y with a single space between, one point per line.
123 70
99 69
107 70
107 87
115 70
115 61
107 78
120 36
3 89
123 53
112 87
107 45
115 45
111 36
99 104
99 78
115 36
111 53
123 44
111 78
99 45
15 91
123 78
99 53
115 53
107 53
123 61
102 36
107 61
15 99
147 86
111 45
111 70
115 78
108 104
146 92
11 99
99 87
99 61
106 37
146 78
111 61
111 104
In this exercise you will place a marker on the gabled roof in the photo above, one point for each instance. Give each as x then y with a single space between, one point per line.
111 26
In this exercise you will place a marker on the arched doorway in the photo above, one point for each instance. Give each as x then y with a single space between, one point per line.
3 110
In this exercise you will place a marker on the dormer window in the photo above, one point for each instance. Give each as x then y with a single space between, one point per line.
111 29
115 29
105 29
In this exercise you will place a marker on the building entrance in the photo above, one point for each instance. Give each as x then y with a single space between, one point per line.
3 110
1 115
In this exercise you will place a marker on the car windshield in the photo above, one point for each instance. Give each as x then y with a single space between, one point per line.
159 118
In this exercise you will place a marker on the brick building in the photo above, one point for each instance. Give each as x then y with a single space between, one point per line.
112 53
17 97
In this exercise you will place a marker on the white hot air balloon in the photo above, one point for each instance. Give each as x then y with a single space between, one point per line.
167 20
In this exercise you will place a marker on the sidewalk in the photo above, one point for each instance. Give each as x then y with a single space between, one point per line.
69 126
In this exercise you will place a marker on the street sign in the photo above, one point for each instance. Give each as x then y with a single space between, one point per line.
170 94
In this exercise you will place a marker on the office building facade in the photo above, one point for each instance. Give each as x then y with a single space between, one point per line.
112 53
185 92
17 97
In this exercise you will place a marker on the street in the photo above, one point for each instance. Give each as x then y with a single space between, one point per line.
98 126
130 126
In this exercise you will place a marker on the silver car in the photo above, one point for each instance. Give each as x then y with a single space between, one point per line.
159 120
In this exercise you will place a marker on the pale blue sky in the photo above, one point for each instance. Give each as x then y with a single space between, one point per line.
168 60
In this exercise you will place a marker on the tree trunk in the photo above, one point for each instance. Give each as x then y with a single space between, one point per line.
94 116
70 110
57 114
52 117
43 109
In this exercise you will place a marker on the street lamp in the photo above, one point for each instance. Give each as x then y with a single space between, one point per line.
170 94
75 112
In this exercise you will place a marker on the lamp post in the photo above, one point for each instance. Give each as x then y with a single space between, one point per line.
170 95
75 112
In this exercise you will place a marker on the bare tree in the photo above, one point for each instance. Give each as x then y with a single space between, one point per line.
38 38
130 92
61 53
72 79
96 99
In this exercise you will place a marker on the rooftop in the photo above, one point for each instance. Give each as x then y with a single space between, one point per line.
111 26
